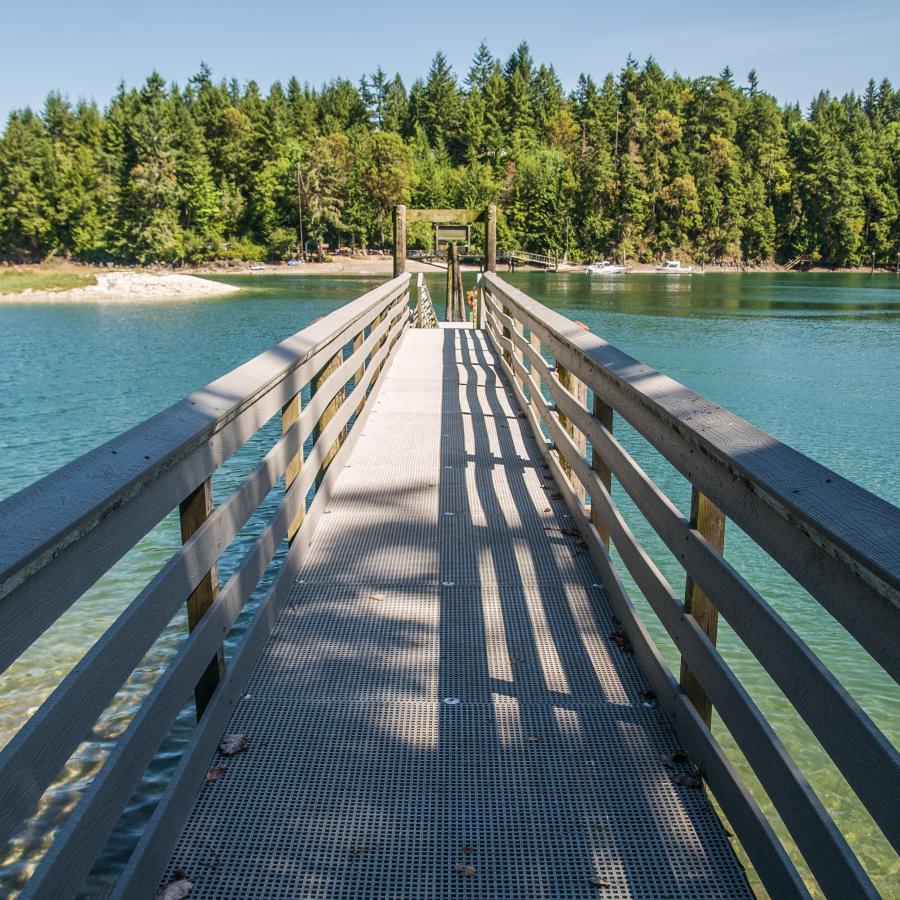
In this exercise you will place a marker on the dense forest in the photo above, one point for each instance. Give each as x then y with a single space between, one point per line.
642 163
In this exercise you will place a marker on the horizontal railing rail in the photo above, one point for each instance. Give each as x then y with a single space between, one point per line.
838 541
63 533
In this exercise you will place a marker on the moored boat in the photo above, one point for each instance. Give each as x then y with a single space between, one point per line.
674 267
605 267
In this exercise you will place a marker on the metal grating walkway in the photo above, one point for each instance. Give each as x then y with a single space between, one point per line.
443 571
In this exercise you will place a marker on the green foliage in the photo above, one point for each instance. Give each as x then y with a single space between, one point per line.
640 163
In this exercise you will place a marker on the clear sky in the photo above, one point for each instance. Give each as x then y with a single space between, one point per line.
85 47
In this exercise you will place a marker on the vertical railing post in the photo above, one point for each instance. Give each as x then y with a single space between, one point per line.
419 289
576 387
290 412
193 511
535 380
478 308
361 371
328 413
490 239
604 413
709 520
507 356
399 240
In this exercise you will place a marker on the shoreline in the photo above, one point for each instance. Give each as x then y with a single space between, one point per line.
129 286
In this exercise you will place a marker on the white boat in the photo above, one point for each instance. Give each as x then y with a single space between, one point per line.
674 267
605 267
259 267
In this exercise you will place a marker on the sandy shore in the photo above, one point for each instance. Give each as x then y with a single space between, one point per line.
130 287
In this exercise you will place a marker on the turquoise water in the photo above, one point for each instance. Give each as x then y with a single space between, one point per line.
812 359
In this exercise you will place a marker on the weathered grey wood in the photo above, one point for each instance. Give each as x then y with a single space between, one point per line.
444 216
762 845
331 408
865 756
579 391
604 414
82 837
290 413
707 520
399 240
159 837
839 541
193 512
490 239
66 530
37 752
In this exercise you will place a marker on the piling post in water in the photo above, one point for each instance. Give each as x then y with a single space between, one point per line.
399 240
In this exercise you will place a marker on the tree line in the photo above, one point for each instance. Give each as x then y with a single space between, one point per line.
644 164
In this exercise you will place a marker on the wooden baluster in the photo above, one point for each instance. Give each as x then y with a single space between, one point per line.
535 380
328 413
290 412
419 289
518 353
709 520
194 510
360 372
507 356
604 413
579 390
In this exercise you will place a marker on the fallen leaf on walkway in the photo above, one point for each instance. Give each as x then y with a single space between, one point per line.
466 849
232 744
377 596
548 509
463 869
620 639
216 772
175 890
598 883
689 781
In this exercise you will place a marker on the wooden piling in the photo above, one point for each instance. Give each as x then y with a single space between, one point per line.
193 511
709 520
490 239
399 240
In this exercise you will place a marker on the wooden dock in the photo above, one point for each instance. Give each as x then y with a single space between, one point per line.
442 690
443 684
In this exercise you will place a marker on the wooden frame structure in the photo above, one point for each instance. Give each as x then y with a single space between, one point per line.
404 216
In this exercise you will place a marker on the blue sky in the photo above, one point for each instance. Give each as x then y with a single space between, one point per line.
84 47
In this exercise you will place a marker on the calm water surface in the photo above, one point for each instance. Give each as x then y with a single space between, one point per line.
812 359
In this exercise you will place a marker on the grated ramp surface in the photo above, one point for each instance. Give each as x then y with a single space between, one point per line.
360 782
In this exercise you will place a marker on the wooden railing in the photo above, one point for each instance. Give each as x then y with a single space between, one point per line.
425 314
838 541
64 532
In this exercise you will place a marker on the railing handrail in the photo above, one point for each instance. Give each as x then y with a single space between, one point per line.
856 528
341 358
827 554
42 522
